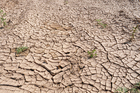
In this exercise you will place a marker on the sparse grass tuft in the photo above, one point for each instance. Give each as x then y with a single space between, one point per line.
65 2
2 19
121 90
101 24
92 53
21 49
134 89
133 33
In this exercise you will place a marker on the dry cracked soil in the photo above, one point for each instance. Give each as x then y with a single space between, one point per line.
58 34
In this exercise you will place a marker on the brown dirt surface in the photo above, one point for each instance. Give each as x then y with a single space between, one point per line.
58 34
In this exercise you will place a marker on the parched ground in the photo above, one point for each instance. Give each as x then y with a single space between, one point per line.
58 34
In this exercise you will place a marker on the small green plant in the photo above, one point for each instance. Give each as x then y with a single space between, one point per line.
21 49
134 89
2 19
133 33
101 24
121 90
92 53
65 2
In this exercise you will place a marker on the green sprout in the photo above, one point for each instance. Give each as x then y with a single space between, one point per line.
2 19
133 33
101 24
21 49
66 2
92 53
121 90
135 89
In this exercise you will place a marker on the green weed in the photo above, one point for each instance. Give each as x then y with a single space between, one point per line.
133 33
134 89
121 90
101 24
65 2
92 53
21 49
2 19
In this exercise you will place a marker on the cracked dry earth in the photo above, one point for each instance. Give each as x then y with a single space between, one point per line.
58 34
